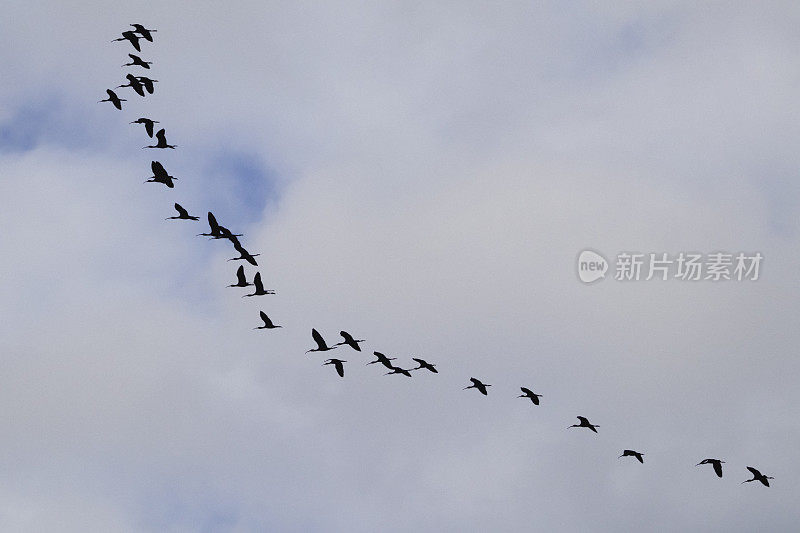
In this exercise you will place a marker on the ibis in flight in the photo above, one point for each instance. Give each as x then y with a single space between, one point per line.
477 384
133 83
241 281
716 463
137 61
148 83
160 175
131 37
585 424
321 344
527 393
161 135
338 363
114 99
758 476
183 214
424 364
244 255
268 324
148 125
144 32
382 359
398 370
350 341
632 453
258 287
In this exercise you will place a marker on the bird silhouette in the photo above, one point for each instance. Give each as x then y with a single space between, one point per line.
131 37
244 255
161 135
212 224
268 324
382 359
631 453
527 393
160 175
259 287
144 32
715 462
321 345
338 363
758 476
477 384
584 424
114 99
424 364
241 281
350 341
398 370
133 83
183 214
137 61
148 83
148 125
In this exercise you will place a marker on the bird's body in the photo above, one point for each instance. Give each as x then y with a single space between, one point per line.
183 214
259 287
478 384
160 175
350 341
527 393
161 136
114 99
241 280
585 424
632 453
322 346
398 370
716 463
132 38
137 61
268 324
338 363
148 125
424 364
244 255
758 476
135 84
382 359
144 32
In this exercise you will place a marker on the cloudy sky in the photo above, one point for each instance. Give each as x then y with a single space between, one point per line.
423 175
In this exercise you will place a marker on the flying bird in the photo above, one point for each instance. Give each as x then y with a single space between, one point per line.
241 281
212 224
161 135
160 175
244 255
144 32
758 476
631 453
133 83
477 384
148 125
527 393
382 359
259 287
137 61
584 424
268 324
350 341
132 38
114 99
715 462
398 370
338 364
424 364
183 214
321 345
148 83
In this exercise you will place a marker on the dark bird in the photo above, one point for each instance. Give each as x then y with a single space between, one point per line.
338 364
259 287
241 281
132 38
477 384
133 83
183 214
424 364
321 345
527 393
244 255
267 322
350 341
758 476
148 125
398 370
225 233
114 99
212 224
382 359
137 61
160 175
148 83
631 453
144 32
715 462
161 135
584 424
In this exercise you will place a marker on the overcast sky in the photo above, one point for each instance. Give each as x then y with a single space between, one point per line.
422 175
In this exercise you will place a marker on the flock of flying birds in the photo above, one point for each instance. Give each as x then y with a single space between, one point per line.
143 85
